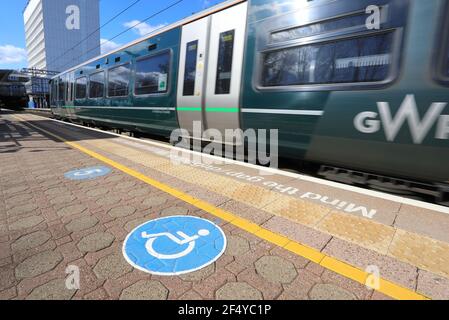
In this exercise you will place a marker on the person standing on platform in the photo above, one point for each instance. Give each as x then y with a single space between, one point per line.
31 104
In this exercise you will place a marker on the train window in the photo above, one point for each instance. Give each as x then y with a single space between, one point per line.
81 88
72 87
441 66
349 21
61 89
54 92
96 85
363 59
118 80
224 64
446 69
190 69
152 74
67 88
446 51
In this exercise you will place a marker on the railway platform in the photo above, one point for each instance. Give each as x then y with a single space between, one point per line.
288 236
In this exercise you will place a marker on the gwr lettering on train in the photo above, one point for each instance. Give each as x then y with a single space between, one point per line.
372 122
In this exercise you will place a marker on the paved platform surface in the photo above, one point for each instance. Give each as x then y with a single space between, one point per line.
48 223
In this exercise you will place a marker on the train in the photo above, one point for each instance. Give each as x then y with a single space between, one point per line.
359 89
13 94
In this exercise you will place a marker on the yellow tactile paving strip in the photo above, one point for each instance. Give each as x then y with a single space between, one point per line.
372 235
299 211
425 253
386 287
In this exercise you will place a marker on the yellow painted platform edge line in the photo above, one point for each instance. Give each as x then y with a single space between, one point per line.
386 287
305 251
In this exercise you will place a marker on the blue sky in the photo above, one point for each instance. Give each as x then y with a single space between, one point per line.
12 37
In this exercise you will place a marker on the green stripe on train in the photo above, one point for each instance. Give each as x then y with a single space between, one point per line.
220 110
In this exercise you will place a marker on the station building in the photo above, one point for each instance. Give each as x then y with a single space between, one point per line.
55 31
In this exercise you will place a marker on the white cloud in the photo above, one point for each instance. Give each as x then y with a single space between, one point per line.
107 46
143 28
10 54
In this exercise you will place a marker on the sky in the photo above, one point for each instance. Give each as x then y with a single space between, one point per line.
12 35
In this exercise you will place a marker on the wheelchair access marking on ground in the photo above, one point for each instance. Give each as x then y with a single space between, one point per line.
88 173
174 245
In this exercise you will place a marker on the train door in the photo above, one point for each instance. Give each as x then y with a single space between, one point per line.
216 89
191 81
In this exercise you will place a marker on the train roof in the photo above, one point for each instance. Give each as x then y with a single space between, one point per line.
197 16
6 74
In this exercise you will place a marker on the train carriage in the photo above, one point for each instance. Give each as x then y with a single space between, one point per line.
357 87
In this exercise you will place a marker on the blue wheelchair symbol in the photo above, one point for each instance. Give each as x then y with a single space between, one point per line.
88 173
174 245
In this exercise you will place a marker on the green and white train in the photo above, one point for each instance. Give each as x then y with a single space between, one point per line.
360 88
